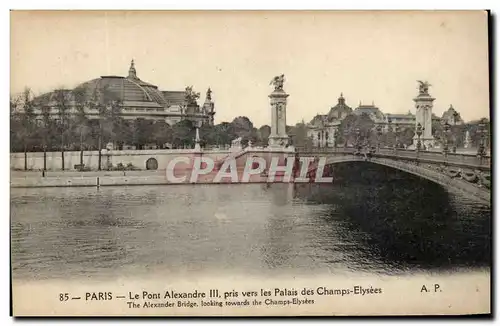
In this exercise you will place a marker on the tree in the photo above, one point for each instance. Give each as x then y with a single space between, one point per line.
62 104
15 123
476 136
437 131
27 124
162 133
356 128
457 135
263 134
208 135
110 123
129 133
116 121
47 132
366 126
298 135
406 135
224 133
81 119
243 127
183 134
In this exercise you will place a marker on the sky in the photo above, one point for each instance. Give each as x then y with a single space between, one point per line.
371 57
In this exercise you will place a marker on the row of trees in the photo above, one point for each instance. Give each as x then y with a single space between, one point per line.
62 130
362 126
70 126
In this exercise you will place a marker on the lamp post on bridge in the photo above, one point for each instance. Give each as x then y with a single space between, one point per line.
397 129
419 133
481 151
445 135
379 134
454 138
335 138
358 140
346 135
389 125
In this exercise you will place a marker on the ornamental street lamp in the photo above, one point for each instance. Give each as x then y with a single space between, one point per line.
481 151
335 138
396 131
419 133
358 140
445 135
346 134
379 134
389 125
197 126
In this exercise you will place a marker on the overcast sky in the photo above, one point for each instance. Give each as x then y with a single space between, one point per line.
368 56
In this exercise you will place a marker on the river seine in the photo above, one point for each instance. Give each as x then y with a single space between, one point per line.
370 220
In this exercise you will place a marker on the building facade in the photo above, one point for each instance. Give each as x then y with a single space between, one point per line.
138 100
322 128
452 117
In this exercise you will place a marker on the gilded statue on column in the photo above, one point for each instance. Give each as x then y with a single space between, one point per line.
423 87
278 82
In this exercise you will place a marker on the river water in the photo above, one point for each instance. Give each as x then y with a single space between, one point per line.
370 220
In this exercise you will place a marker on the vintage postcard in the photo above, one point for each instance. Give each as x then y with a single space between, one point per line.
250 163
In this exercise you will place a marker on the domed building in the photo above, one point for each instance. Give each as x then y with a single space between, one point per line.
138 100
339 111
452 117
322 128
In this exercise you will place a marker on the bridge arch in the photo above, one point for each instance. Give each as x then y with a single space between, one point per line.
472 183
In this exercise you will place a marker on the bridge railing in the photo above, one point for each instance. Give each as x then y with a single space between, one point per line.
460 159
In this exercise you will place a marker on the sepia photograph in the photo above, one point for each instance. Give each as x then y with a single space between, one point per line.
250 163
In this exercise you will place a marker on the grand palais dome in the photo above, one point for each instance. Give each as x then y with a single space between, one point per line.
140 99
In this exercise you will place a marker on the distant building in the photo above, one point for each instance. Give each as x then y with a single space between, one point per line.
372 111
452 117
321 129
139 99
399 119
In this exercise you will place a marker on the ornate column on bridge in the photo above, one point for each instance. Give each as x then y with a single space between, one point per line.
423 104
278 136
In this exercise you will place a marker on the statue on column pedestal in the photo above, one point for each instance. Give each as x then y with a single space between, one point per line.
423 87
278 82
278 137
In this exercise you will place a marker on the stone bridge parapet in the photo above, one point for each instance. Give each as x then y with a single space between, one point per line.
468 174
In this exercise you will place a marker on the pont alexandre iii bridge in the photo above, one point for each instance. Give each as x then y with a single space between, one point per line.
467 173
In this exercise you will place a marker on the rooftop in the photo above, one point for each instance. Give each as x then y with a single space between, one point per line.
131 90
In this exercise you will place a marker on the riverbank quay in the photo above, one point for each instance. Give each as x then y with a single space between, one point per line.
39 179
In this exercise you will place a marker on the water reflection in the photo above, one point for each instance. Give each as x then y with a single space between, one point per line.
405 222
371 219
